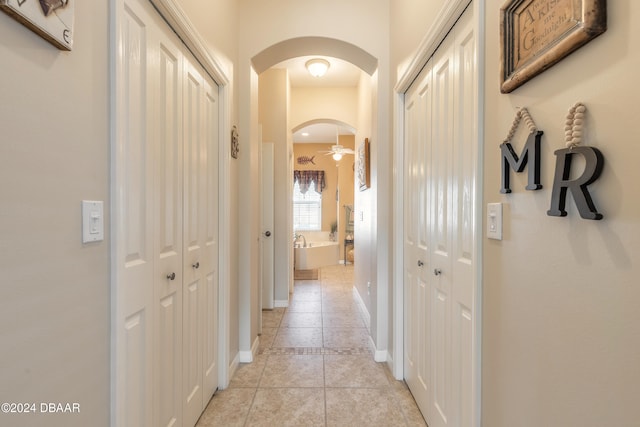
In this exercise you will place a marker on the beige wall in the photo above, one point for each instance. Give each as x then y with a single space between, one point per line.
324 103
561 336
560 328
54 291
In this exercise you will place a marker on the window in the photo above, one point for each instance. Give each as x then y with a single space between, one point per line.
307 209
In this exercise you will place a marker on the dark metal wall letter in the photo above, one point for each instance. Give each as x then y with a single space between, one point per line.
594 163
510 158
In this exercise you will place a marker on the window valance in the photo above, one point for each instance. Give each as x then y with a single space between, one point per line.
305 178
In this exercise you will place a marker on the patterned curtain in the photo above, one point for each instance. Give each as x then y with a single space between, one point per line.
305 178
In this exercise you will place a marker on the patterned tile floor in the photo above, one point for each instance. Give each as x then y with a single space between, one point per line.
314 367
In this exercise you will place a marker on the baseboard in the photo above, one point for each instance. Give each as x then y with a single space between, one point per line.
248 356
363 308
233 366
281 303
378 355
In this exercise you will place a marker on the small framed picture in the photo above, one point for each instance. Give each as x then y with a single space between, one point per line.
363 164
51 19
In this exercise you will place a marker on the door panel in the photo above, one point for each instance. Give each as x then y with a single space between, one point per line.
166 125
267 250
133 250
193 260
417 342
464 262
210 258
441 179
192 353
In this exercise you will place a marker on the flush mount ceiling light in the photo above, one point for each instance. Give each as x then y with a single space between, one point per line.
317 66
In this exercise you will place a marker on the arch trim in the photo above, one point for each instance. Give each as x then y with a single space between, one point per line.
322 46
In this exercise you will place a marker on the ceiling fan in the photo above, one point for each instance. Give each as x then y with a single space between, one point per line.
338 151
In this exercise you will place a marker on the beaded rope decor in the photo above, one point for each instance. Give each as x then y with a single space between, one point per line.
530 153
574 124
522 113
563 183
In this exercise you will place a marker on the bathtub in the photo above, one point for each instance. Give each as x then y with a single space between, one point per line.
316 254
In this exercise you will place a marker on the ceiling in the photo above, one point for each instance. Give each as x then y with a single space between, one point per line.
340 74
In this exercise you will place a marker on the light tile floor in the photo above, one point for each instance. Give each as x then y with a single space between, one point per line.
314 367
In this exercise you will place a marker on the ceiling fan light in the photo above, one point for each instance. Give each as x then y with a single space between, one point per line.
317 67
337 156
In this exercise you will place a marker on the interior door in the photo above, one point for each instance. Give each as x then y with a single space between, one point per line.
193 222
166 131
267 249
417 260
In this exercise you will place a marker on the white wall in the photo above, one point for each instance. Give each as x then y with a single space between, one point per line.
560 328
54 291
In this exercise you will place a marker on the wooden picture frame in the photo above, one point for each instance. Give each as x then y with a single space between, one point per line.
363 163
537 34
50 19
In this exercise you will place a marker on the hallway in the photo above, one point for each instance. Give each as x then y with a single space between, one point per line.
314 367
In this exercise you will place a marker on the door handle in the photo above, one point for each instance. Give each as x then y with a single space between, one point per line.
171 276
437 271
420 263
267 233
196 265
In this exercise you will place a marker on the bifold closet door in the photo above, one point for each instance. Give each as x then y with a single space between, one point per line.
440 268
165 222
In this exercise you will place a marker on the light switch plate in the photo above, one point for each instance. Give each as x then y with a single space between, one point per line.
92 221
494 221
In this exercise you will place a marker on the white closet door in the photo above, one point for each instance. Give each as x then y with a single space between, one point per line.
166 125
417 259
132 231
440 330
193 224
210 257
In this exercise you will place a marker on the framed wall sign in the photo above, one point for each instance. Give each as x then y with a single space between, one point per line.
363 163
51 19
536 34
